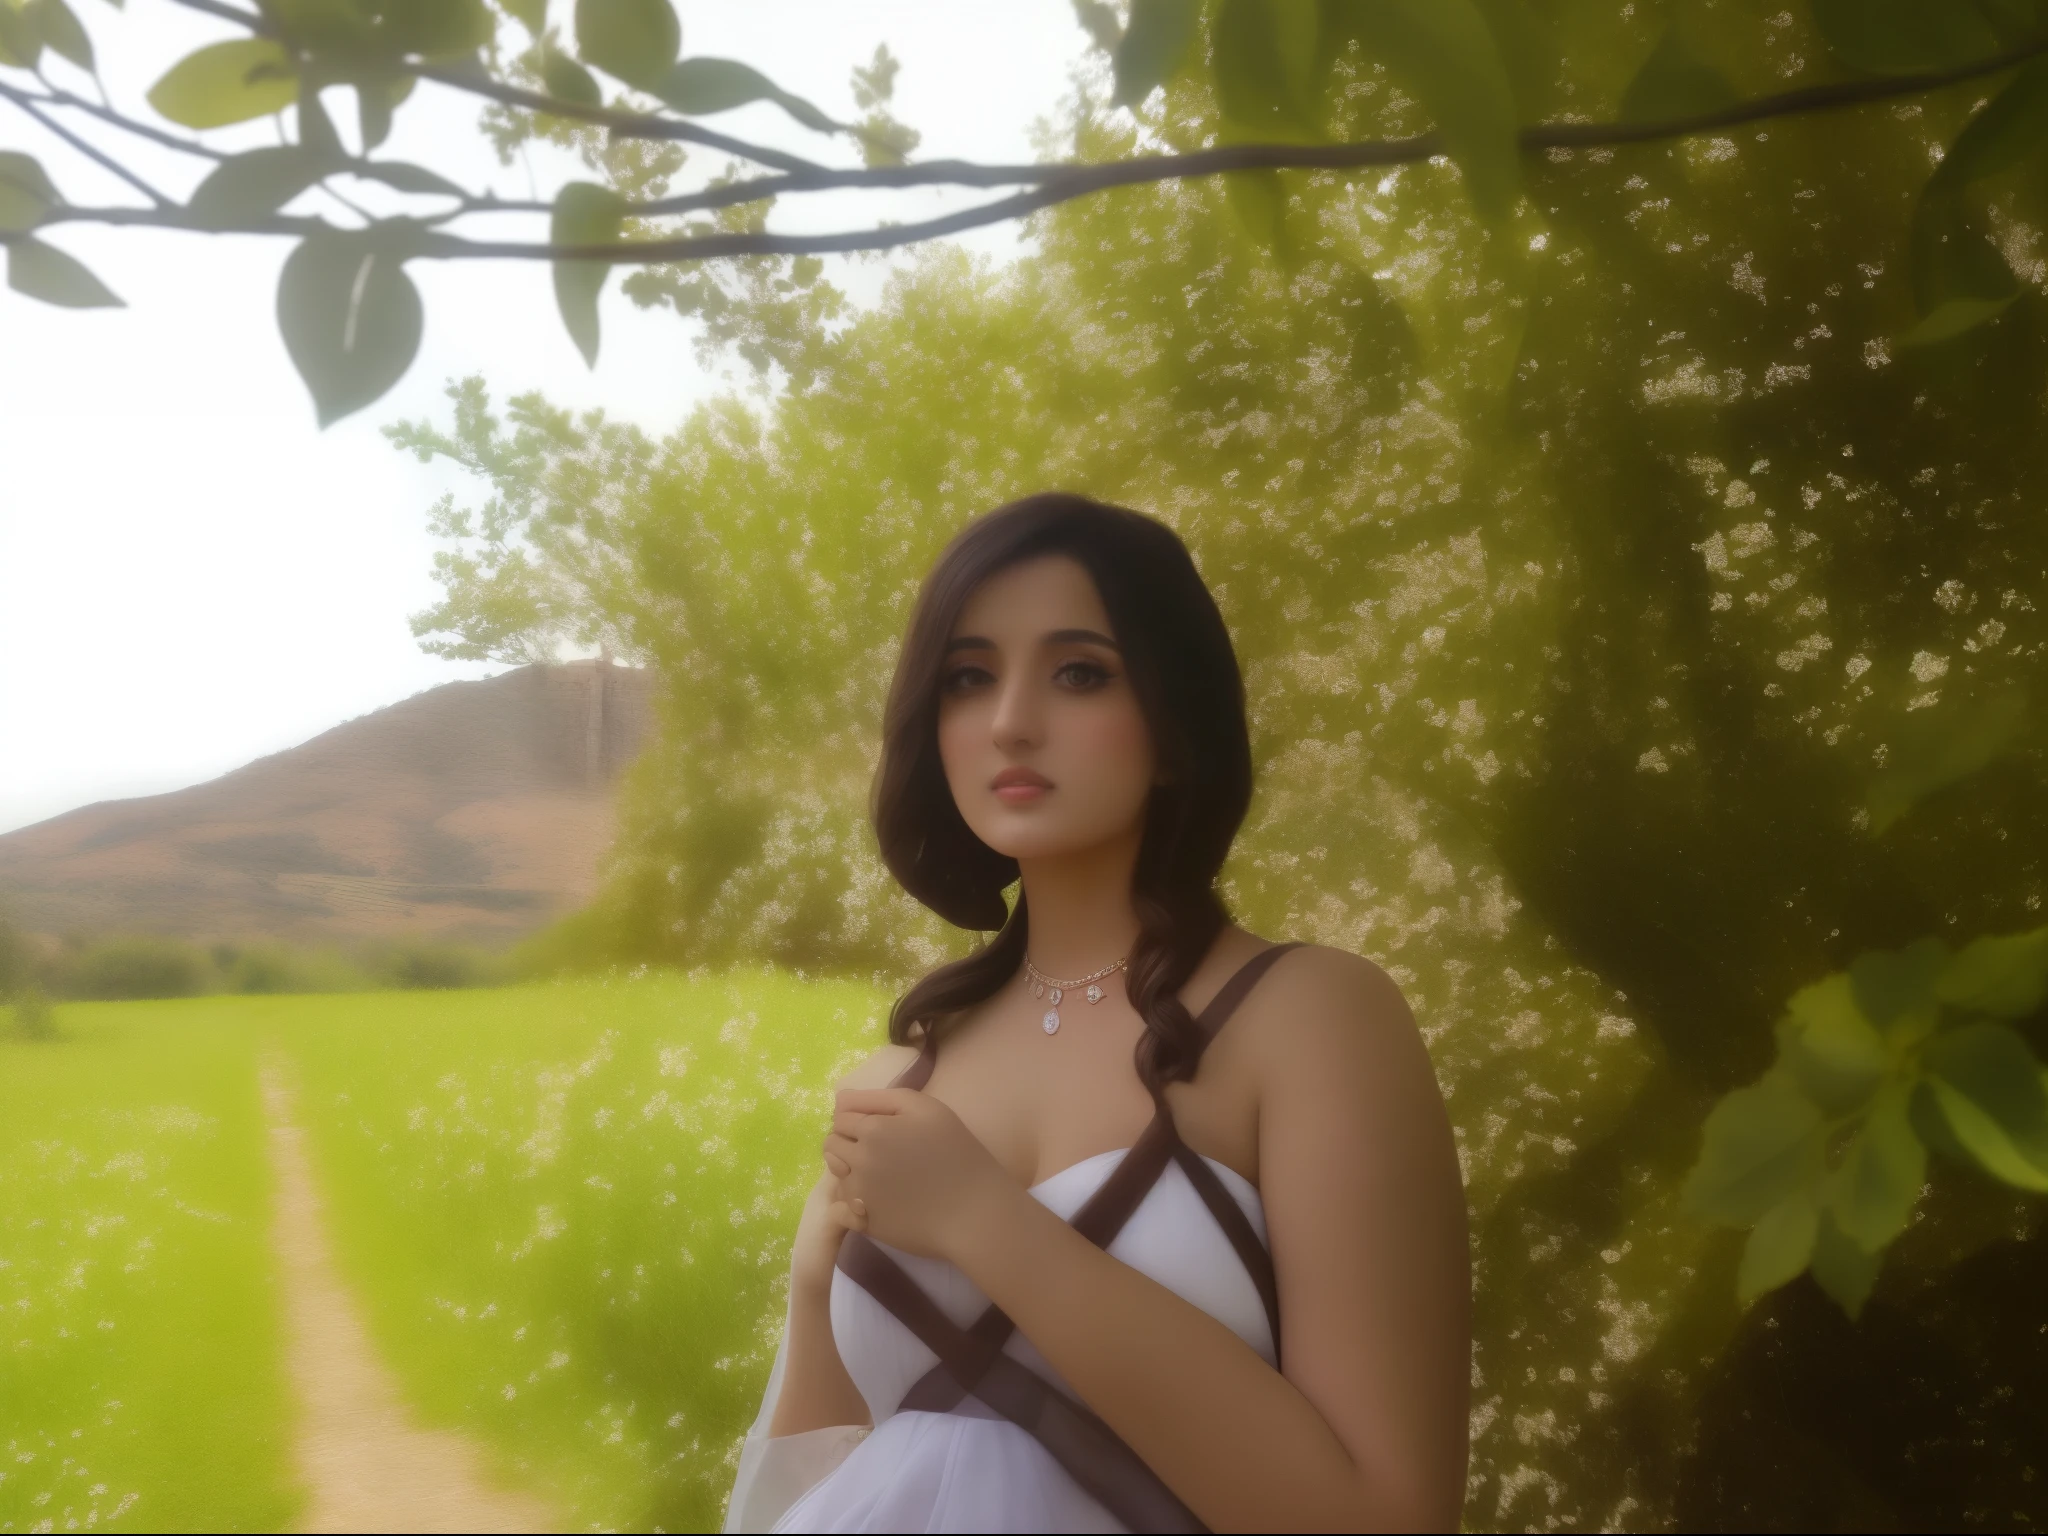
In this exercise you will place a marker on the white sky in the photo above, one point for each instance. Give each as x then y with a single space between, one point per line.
191 573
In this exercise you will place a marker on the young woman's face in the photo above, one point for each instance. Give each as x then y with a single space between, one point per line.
1044 744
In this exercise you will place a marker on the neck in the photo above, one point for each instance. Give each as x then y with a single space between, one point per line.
1080 904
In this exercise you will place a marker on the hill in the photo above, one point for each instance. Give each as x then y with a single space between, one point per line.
475 811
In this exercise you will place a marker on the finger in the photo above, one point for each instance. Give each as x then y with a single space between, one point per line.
846 1151
849 1123
850 1214
878 1101
840 1166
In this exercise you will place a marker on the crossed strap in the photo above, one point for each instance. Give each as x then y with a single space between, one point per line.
971 1360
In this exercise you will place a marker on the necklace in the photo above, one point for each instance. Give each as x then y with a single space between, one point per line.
1041 984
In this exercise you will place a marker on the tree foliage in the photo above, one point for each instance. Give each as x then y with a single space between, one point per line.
1275 70
1640 632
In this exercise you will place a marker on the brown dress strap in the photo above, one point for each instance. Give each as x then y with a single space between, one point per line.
1231 995
971 1360
1099 1220
1087 1449
1237 1226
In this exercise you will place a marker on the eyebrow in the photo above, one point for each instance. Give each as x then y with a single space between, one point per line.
1057 637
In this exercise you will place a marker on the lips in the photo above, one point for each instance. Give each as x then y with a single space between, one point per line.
1019 786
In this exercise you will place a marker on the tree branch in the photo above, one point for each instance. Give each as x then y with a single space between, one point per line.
628 125
63 98
27 103
1048 183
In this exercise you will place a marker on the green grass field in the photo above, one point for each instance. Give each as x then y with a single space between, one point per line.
139 1373
565 1208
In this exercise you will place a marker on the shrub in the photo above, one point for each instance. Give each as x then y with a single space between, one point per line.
129 968
421 964
34 1018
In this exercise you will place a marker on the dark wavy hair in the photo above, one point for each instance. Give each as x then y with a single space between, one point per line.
1183 670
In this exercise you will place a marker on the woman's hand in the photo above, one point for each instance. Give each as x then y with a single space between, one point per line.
818 1235
908 1171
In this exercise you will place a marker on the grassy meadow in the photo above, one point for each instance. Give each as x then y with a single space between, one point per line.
564 1209
140 1380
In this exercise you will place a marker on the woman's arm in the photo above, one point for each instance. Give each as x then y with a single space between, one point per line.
816 1391
1366 1430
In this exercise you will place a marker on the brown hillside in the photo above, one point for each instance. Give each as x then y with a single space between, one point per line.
474 811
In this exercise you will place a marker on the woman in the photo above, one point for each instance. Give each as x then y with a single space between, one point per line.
1032 1290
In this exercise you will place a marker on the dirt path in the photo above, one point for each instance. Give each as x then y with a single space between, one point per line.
367 1465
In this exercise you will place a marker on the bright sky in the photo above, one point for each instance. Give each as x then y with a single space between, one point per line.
191 573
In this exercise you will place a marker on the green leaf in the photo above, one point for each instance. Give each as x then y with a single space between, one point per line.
1949 320
374 103
61 29
1675 82
258 183
2004 976
1989 1087
1846 1272
403 177
1445 53
227 83
1938 747
1761 1144
1259 200
21 40
585 214
1872 1193
1931 1126
2012 129
530 14
1834 1052
635 40
350 316
567 80
1100 21
1903 37
26 191
1153 47
44 272
698 87
1264 61
316 128
439 29
1895 988
1779 1246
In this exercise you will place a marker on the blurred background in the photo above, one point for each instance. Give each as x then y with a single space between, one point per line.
455 818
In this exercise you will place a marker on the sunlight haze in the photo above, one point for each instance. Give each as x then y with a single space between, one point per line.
191 573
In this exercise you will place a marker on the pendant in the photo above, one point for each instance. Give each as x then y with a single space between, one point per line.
1058 997
1038 989
1051 1021
1094 993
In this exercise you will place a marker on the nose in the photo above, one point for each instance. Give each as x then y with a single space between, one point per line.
1019 722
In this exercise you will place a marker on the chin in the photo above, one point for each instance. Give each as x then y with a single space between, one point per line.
1023 835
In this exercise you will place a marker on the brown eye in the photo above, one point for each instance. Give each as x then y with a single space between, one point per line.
964 679
1081 676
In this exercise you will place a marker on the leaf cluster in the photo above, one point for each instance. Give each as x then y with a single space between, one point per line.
1905 1052
1280 73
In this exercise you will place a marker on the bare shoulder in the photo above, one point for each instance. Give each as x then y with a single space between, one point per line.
880 1069
1322 1008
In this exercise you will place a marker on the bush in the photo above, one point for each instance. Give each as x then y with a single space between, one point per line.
17 961
133 968
278 968
34 1018
424 965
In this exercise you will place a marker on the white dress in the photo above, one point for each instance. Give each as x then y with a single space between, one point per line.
968 1471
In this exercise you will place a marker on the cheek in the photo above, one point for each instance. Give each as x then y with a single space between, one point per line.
961 736
1116 743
